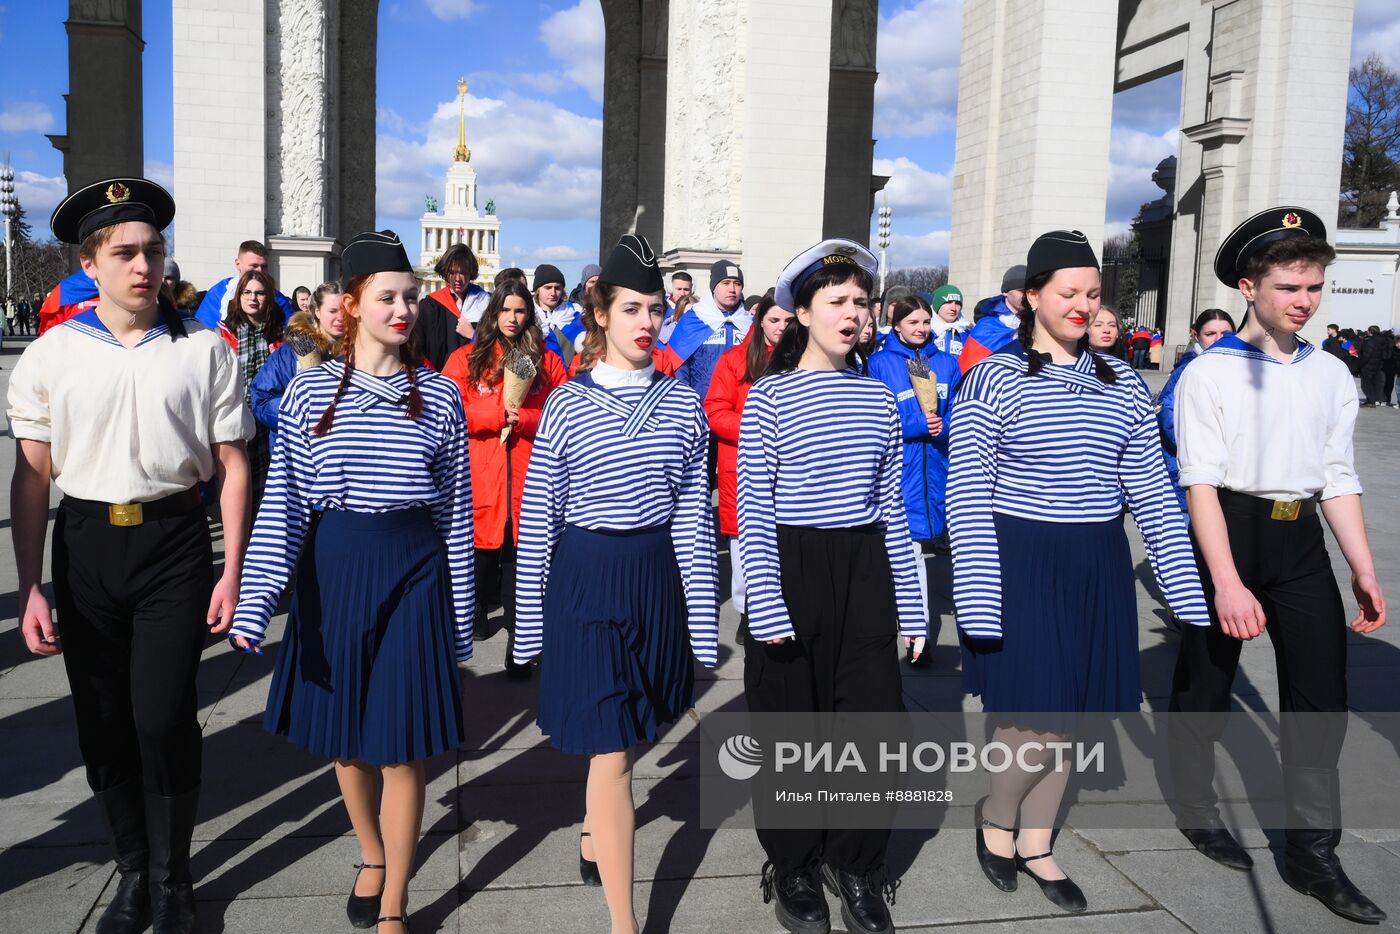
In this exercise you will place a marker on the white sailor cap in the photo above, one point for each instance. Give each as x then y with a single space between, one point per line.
807 263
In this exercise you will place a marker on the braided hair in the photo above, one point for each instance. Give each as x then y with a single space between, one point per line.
408 356
1025 333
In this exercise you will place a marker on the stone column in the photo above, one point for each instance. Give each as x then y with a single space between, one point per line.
850 152
1035 102
104 105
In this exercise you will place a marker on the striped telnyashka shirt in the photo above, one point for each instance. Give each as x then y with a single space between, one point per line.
629 457
374 459
1060 446
820 449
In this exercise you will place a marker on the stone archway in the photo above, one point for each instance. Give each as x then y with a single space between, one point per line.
275 108
1263 108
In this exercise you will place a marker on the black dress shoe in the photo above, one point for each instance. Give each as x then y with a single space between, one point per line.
587 868
801 907
363 910
1310 866
1062 893
999 870
862 906
514 670
1221 846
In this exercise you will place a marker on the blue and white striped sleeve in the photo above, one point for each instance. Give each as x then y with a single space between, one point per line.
913 614
541 522
281 523
454 520
974 435
1142 472
758 530
693 534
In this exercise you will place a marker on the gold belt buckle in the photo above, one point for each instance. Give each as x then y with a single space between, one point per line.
125 514
1285 511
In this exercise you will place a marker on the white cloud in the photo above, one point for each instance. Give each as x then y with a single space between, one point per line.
930 249
534 158
451 9
1376 28
26 117
532 256
162 173
917 54
914 191
574 37
39 195
1133 155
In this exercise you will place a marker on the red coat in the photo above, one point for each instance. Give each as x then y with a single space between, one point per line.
724 404
496 466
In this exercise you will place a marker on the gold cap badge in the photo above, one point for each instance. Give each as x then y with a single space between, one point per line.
1291 220
117 193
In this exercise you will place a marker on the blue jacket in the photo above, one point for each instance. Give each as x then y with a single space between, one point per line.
1166 423
925 478
268 385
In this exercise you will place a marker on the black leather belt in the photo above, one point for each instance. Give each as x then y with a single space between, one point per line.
1281 510
133 514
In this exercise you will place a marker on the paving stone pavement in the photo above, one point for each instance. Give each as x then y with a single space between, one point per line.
273 849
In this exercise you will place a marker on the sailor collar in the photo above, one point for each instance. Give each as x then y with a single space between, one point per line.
89 324
1078 376
1230 345
636 417
372 390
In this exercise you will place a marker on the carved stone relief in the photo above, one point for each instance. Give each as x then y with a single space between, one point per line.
300 140
853 34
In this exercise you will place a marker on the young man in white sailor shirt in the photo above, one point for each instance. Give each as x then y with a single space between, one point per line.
1264 430
127 407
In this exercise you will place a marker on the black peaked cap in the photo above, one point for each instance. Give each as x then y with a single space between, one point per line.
1264 228
110 202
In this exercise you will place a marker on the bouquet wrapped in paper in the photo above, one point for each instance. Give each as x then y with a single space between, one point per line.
518 374
925 385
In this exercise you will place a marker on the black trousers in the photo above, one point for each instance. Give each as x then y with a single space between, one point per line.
1285 566
495 583
1373 384
839 593
131 607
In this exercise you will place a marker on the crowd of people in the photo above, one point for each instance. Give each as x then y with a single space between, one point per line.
410 462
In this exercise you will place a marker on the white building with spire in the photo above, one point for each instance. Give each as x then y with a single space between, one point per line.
460 220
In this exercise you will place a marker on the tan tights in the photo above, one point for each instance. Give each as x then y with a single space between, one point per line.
386 809
612 822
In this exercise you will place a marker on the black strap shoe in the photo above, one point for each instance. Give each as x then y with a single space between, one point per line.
801 907
1062 893
363 910
124 810
587 868
1220 845
999 870
1310 866
862 907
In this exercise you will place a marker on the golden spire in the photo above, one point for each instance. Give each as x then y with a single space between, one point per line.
462 153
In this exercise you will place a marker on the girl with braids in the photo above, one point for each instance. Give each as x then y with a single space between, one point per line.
253 327
735 373
1046 445
371 480
312 337
498 466
616 584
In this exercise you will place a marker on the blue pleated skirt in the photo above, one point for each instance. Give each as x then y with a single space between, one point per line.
1069 622
366 668
616 663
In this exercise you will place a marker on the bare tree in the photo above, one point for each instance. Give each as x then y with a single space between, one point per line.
918 278
1371 153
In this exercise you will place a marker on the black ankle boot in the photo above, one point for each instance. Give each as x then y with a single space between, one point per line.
1310 863
124 811
170 824
863 898
801 906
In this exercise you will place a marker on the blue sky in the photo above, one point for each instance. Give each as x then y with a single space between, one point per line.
535 114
